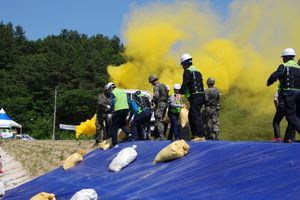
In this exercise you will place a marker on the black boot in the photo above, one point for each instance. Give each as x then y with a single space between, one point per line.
209 137
217 136
161 137
96 143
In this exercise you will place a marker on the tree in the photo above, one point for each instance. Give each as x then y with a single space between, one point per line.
30 70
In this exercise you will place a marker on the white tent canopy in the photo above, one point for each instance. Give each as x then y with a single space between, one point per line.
6 122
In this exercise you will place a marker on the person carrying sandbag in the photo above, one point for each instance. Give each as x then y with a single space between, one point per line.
173 113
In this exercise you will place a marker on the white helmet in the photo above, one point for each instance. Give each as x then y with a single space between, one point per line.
288 52
185 57
168 88
177 86
109 85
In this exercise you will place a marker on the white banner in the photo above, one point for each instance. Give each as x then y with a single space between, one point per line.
7 135
67 127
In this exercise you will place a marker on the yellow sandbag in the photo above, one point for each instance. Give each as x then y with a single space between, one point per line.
183 117
108 142
166 118
122 135
44 196
73 159
173 151
105 144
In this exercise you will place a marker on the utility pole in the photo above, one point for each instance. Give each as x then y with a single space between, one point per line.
54 117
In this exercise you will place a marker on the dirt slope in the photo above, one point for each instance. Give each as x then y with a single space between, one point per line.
24 160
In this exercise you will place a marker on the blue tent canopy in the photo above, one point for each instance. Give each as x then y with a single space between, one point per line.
211 170
6 121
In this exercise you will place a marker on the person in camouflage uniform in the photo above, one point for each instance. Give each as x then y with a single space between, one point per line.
210 112
160 100
102 129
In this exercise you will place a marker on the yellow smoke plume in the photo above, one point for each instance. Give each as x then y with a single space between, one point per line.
239 50
86 128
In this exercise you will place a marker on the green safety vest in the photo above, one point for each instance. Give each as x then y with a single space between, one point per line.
176 109
121 101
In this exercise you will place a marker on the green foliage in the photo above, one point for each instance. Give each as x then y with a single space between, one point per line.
66 134
30 71
40 128
241 123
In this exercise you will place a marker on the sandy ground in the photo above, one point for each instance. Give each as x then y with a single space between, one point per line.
14 174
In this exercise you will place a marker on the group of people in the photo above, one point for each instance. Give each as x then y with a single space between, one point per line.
287 98
114 106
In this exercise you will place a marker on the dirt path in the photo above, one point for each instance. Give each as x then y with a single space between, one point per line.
14 174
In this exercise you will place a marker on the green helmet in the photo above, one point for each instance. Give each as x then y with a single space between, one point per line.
211 81
152 78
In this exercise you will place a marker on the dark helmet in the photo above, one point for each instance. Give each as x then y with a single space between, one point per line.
138 92
152 78
211 81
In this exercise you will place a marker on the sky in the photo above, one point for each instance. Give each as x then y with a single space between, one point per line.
40 18
237 42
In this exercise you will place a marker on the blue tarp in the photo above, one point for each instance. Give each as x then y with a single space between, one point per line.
211 170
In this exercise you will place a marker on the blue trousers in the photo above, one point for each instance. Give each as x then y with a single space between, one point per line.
139 120
119 121
174 126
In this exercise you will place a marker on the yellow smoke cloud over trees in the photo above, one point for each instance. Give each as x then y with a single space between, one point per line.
239 50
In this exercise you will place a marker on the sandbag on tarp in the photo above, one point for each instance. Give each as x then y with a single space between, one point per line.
105 144
176 149
124 158
44 196
73 159
85 194
122 135
108 142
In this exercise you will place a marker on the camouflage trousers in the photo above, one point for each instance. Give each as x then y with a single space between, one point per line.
211 122
103 131
159 114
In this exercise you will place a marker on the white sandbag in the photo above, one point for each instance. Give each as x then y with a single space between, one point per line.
124 158
85 194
